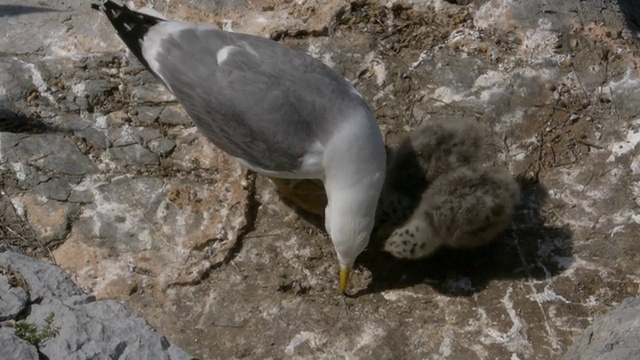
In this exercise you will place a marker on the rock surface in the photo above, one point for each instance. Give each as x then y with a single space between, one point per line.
614 335
15 348
101 170
87 329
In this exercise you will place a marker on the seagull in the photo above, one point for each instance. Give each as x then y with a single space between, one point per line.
275 110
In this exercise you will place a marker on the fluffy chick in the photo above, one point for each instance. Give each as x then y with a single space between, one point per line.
427 152
434 149
464 208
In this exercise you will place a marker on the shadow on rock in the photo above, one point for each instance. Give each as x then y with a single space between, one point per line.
631 11
13 122
16 10
527 249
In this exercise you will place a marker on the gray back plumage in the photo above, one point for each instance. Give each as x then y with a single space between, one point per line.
265 103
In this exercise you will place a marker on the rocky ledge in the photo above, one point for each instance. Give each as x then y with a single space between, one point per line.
69 324
102 173
59 321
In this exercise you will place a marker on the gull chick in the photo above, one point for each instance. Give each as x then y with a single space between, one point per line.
439 192
462 209
427 152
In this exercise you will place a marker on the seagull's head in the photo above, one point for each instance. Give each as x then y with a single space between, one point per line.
354 176
349 220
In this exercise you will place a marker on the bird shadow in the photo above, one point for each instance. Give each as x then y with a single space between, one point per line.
16 10
16 123
631 12
528 249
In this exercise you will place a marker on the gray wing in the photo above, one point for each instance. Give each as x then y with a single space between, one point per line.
256 100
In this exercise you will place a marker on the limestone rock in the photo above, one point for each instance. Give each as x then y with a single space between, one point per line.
612 336
50 219
86 328
13 299
15 348
44 281
556 82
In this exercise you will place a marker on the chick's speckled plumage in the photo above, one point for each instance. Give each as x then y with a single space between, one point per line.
462 209
440 192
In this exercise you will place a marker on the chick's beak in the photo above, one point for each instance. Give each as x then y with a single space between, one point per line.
344 279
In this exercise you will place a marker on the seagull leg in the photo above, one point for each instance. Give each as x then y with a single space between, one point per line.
307 194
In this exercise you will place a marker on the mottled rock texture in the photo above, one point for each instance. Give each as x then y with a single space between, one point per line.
101 170
85 328
614 335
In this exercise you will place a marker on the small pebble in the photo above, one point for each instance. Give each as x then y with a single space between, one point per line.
574 43
574 118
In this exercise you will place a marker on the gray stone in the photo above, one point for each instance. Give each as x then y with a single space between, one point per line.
8 140
162 146
113 120
148 114
45 281
81 299
134 154
55 188
81 196
95 137
99 87
122 137
54 152
133 135
173 115
145 134
13 299
22 37
13 76
561 13
14 348
151 93
27 176
100 328
126 190
613 336
82 103
95 93
87 329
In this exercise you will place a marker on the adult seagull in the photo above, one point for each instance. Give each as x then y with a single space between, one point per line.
275 110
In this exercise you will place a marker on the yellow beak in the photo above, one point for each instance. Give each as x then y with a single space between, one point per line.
344 279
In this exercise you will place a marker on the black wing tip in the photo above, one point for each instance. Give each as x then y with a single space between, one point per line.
113 9
130 25
102 6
